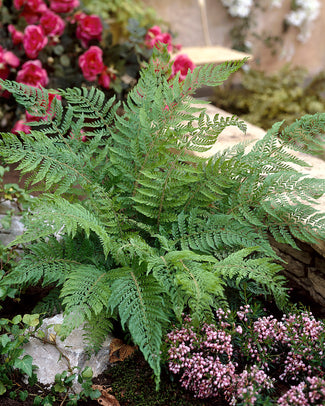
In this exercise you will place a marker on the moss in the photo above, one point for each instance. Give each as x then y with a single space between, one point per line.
132 383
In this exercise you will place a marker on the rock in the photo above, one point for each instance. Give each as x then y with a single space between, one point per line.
52 355
16 227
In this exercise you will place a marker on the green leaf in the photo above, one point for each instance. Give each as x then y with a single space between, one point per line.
17 319
24 364
2 388
87 373
31 320
4 340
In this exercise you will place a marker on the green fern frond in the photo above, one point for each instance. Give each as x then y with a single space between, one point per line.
306 134
91 105
45 160
217 234
85 292
57 215
138 299
261 270
34 99
164 273
210 75
200 286
97 328
50 304
46 262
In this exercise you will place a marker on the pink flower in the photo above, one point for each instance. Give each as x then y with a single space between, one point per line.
91 63
89 28
32 74
105 78
182 64
36 6
33 9
20 126
16 36
150 38
52 24
7 60
34 40
154 36
63 6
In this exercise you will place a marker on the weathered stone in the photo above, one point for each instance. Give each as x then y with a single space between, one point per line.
317 280
292 266
52 355
16 229
305 256
320 265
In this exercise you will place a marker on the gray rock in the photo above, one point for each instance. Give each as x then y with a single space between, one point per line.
16 229
52 355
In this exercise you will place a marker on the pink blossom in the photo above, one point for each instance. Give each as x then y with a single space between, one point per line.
11 59
16 36
34 40
63 6
182 64
7 60
20 126
32 74
91 63
154 36
105 78
52 24
89 28
36 6
32 9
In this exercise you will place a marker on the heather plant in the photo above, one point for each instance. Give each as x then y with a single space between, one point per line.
134 225
245 354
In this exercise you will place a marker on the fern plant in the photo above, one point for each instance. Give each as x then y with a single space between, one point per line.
133 224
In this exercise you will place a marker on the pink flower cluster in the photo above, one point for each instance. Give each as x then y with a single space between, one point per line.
295 335
154 37
306 393
46 26
182 63
247 385
203 359
232 357
7 60
91 64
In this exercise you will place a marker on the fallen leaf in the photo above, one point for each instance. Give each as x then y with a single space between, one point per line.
120 351
107 399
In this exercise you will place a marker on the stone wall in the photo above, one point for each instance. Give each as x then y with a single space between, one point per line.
184 18
305 267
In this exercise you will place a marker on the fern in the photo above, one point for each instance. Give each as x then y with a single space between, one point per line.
134 225
239 267
138 300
